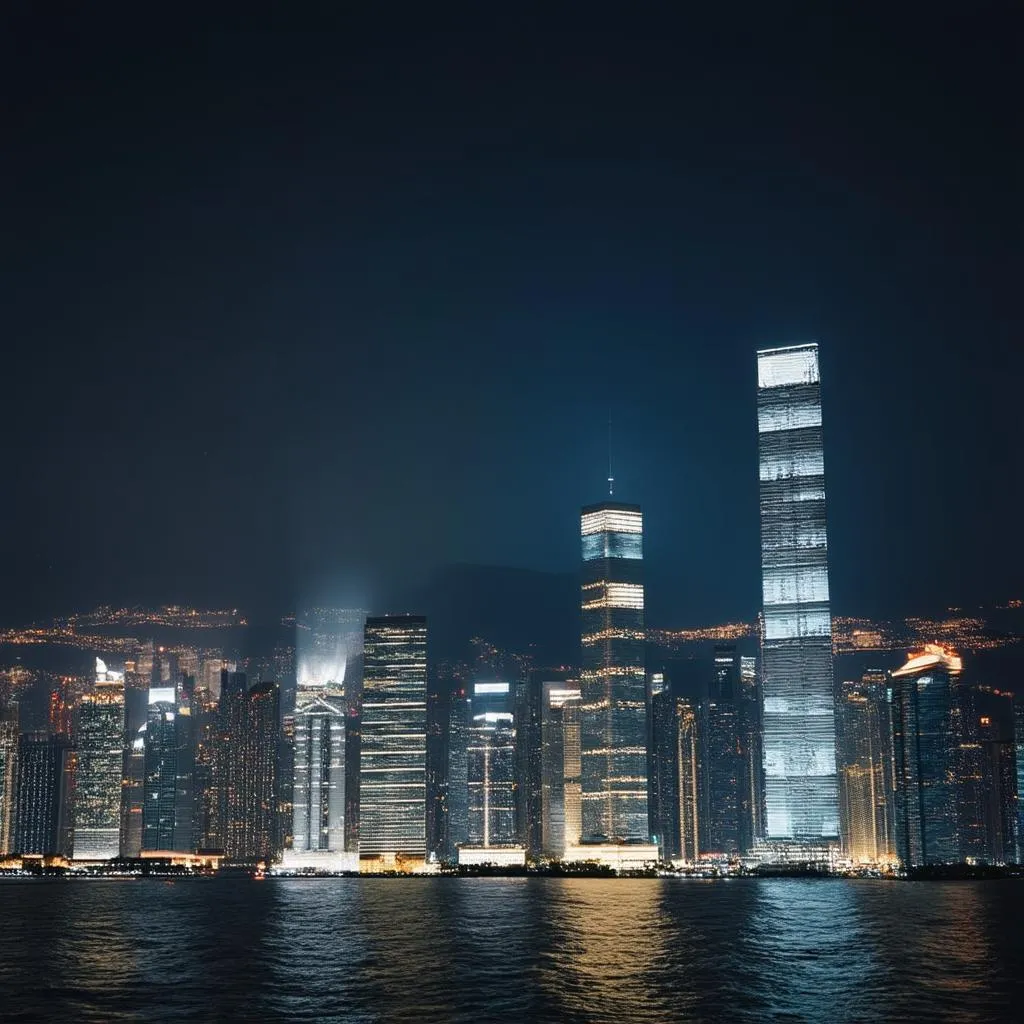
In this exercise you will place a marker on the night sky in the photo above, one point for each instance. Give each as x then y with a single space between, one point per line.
295 312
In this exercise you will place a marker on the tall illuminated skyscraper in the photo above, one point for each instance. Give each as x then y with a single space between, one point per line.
99 768
613 713
318 796
39 826
801 796
8 774
866 770
490 766
560 766
393 753
924 748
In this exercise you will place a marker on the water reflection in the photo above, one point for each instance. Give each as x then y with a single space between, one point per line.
605 956
522 950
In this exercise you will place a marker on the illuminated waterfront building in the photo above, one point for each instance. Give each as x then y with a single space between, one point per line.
721 760
752 757
41 797
490 766
167 773
663 780
922 696
866 770
249 717
986 775
392 764
560 766
613 712
8 774
457 794
99 766
801 797
318 796
678 792
1018 735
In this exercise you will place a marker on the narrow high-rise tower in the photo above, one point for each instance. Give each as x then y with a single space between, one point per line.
393 755
613 711
99 768
801 797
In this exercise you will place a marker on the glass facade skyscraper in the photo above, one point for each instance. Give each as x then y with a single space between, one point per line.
865 770
318 798
99 766
613 712
801 796
490 766
924 742
8 774
167 773
41 794
393 753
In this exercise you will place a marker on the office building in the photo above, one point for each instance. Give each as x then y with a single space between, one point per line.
560 811
168 759
99 766
8 774
490 766
866 785
1018 736
319 796
752 757
392 765
986 769
613 711
922 698
721 759
41 799
801 799
456 831
250 717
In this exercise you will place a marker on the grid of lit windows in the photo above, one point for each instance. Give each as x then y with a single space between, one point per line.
393 752
612 711
799 715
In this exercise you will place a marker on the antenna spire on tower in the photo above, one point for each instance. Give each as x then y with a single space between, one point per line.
611 479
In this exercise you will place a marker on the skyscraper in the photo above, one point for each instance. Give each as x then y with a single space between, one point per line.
250 814
99 768
865 770
167 773
752 753
720 755
799 705
663 777
923 757
41 794
490 766
1018 737
8 774
318 800
560 766
986 769
613 713
456 830
392 764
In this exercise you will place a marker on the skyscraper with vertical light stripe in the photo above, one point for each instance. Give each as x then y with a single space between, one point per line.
613 711
801 795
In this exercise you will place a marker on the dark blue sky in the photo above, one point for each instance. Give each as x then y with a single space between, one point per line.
292 308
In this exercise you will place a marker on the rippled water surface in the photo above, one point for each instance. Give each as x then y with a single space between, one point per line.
511 949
